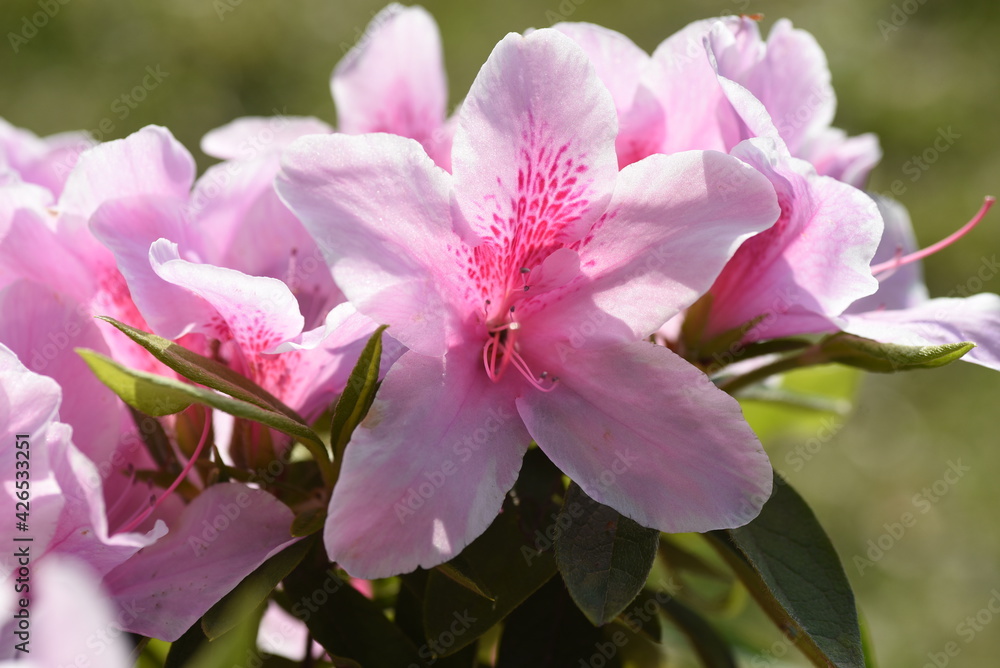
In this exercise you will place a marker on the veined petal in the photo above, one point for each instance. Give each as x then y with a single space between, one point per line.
428 469
393 80
648 434
533 157
222 536
847 159
380 211
672 225
936 322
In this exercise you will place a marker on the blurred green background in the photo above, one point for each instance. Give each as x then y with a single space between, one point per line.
938 70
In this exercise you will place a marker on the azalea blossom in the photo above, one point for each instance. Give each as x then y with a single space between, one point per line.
45 161
524 287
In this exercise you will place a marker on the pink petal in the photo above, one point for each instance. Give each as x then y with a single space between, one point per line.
903 287
47 330
683 80
646 433
250 137
128 227
429 467
534 156
393 80
223 535
45 161
674 222
811 265
847 159
73 622
259 313
792 80
32 250
381 213
147 162
935 322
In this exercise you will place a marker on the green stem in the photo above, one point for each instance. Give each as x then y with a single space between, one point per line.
808 357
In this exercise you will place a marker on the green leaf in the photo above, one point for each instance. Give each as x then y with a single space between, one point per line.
888 357
158 396
358 395
204 371
549 631
712 649
464 573
790 567
252 591
235 648
604 557
506 564
341 619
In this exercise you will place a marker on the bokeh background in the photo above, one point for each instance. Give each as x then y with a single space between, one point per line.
905 70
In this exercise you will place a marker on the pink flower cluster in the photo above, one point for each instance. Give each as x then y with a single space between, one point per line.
531 254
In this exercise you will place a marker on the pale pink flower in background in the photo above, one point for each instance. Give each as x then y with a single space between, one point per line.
524 287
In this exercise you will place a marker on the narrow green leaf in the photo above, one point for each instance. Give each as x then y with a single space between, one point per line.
506 564
790 567
464 573
711 648
203 370
358 395
888 357
341 619
159 396
237 647
604 557
252 591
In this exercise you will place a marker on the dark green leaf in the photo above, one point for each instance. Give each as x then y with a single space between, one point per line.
409 609
603 556
506 564
252 591
642 615
790 567
204 371
549 631
358 395
712 649
888 357
237 647
464 573
341 619
158 396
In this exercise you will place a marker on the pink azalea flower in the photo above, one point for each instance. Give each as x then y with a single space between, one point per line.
524 287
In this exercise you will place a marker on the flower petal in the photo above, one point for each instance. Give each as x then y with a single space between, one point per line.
222 536
394 79
427 470
250 137
380 211
674 222
648 434
533 157
938 321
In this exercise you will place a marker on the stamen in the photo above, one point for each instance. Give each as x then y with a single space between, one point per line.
897 262
183 474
